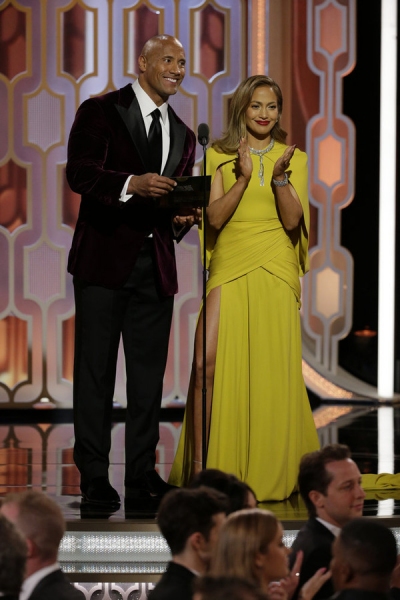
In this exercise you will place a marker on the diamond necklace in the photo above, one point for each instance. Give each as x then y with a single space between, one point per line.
261 153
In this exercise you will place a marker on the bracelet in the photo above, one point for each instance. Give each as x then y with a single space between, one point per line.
284 181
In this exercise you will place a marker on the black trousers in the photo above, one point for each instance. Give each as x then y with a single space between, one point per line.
143 318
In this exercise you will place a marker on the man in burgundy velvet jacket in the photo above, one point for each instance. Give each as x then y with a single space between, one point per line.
123 262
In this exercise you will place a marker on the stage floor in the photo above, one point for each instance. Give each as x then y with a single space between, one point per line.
125 546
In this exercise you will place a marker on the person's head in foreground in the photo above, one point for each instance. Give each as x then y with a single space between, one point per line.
190 521
363 557
250 546
240 494
42 523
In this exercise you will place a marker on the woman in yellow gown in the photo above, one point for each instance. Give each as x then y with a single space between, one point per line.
259 421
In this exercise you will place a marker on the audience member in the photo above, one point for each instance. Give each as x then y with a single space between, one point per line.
13 551
239 493
330 485
41 522
250 546
226 588
363 558
190 521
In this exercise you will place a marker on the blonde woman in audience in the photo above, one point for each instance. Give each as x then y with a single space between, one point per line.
250 546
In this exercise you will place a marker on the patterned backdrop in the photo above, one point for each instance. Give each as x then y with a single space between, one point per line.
56 53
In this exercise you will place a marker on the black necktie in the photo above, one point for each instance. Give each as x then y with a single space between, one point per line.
155 142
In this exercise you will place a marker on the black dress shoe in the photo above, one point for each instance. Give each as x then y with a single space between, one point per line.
150 483
100 491
142 507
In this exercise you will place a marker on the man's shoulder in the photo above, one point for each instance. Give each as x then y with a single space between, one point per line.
178 572
56 585
311 534
314 527
315 540
176 581
123 96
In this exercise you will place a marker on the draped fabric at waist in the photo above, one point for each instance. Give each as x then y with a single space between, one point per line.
242 247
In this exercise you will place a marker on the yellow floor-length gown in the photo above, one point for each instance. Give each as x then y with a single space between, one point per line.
261 421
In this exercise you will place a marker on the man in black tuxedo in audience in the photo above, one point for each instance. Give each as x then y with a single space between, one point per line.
41 522
330 485
190 521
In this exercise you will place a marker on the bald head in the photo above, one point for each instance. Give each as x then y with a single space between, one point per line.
162 67
157 41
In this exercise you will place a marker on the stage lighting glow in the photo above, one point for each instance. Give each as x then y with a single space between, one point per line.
387 200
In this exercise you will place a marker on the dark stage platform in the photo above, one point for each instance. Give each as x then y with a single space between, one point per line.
122 554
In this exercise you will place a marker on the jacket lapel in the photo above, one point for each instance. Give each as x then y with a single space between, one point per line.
132 117
177 132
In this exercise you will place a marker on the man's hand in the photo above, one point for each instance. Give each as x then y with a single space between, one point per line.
150 185
314 584
188 217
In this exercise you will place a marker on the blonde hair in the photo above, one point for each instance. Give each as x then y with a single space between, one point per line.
241 99
244 534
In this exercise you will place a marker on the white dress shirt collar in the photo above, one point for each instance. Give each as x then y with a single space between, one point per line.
332 528
147 105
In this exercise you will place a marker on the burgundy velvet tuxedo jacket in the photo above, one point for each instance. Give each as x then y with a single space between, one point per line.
108 143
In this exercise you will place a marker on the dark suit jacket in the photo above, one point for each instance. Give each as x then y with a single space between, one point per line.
316 542
175 583
56 585
108 143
